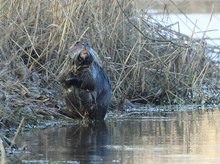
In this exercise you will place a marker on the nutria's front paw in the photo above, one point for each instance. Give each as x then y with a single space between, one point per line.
72 81
69 80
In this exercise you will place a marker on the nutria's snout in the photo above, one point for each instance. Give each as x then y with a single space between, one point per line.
85 58
83 54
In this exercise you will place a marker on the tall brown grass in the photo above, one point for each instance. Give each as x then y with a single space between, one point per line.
2 150
146 61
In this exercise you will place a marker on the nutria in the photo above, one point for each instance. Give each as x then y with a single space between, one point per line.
87 86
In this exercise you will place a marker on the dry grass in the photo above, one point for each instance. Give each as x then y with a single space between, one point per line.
146 62
2 152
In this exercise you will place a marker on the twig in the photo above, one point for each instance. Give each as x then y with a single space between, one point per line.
17 131
2 150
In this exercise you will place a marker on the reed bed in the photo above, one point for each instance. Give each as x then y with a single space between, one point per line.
146 61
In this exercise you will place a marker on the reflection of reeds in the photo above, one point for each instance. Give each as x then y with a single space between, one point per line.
146 61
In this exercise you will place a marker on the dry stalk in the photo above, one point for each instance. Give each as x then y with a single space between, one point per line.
17 131
3 154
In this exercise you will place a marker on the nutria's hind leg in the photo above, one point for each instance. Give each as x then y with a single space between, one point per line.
97 112
101 107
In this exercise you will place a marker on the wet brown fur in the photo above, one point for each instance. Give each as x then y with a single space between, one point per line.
87 87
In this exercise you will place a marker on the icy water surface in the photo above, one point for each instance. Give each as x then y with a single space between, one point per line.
176 137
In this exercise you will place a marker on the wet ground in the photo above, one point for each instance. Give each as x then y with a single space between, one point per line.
163 137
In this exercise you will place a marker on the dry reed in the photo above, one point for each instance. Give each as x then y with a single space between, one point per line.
146 61
2 150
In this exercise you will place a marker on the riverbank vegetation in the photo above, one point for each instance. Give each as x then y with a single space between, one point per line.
147 62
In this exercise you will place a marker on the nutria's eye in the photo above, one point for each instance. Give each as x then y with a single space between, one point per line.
77 42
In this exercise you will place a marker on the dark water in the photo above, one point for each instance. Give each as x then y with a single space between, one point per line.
178 137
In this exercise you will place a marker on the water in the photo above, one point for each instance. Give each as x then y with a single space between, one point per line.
205 26
197 19
176 137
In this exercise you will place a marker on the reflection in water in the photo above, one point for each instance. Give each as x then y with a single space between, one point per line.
177 137
75 143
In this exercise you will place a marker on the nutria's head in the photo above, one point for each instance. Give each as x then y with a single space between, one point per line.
79 58
81 54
